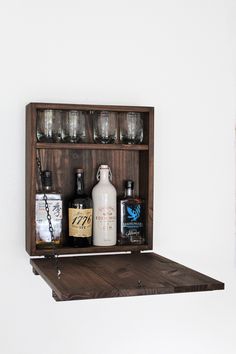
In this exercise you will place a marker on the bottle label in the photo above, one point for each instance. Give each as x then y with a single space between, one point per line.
132 223
80 222
55 210
106 218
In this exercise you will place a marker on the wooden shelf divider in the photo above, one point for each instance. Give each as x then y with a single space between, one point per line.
85 146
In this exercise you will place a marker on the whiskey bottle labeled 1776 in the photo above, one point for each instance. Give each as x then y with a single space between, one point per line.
80 214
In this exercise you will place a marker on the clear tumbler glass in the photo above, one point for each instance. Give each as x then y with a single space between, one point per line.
131 128
44 126
49 126
57 126
105 127
73 127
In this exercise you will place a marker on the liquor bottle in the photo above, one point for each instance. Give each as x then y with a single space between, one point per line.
54 201
80 214
104 206
131 217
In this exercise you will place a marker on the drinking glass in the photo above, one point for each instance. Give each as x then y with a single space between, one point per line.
73 127
105 127
57 126
44 125
131 128
49 126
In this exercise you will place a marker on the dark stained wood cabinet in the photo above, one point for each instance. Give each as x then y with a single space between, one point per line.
128 270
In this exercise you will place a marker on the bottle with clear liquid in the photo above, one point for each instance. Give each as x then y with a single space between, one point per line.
131 217
80 214
104 206
54 200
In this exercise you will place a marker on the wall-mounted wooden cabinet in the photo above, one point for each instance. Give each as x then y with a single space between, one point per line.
137 272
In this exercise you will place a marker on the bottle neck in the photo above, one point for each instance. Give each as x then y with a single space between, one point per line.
129 192
79 184
104 175
47 189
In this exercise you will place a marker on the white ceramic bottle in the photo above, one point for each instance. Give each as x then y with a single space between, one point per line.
104 209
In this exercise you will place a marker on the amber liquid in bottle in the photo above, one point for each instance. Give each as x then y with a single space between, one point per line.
80 214
130 217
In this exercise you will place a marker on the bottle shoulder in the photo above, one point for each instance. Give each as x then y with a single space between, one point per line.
131 200
104 187
79 201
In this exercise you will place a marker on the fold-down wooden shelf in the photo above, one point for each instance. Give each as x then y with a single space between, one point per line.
139 272
86 277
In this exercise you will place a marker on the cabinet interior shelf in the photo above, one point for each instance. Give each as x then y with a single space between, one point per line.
92 249
92 146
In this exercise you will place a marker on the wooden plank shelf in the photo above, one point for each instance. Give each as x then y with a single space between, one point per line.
85 146
92 249
119 275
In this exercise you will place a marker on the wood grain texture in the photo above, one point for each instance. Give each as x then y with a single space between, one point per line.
93 249
30 180
90 107
91 146
87 277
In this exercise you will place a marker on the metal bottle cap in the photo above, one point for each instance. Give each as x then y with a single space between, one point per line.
129 184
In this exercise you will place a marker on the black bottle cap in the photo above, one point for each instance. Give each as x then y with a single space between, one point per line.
47 178
129 184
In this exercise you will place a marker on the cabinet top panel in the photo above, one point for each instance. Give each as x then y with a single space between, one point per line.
66 106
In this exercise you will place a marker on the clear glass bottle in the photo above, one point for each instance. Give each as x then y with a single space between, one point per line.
131 217
54 200
80 214
104 204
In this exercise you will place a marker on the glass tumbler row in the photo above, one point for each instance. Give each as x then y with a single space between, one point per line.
69 127
58 126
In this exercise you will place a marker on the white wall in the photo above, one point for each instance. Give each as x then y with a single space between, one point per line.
178 56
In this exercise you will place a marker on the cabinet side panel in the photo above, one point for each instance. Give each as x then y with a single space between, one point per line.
146 171
151 176
30 178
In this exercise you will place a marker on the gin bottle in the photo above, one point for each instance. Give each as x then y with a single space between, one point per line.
104 204
130 217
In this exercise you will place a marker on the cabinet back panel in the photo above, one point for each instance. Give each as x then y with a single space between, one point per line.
63 164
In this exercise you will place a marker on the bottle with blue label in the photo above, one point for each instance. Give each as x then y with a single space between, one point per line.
131 217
